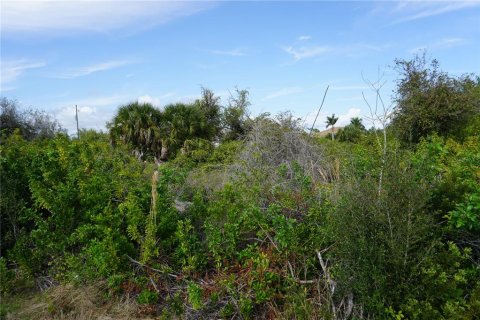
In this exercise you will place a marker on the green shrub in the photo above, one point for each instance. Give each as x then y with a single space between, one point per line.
447 287
6 277
380 232
189 253
195 296
147 297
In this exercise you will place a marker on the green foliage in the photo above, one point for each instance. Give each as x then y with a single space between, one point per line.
235 116
210 109
189 252
159 135
184 122
452 169
271 222
431 101
226 152
72 219
147 297
331 123
30 124
352 132
227 219
246 307
162 220
331 120
444 288
467 214
195 151
138 125
195 297
380 232
6 277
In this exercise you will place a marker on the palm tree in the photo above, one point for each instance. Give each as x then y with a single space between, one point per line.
357 122
331 122
138 125
182 122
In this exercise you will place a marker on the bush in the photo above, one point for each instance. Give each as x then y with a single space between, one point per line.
71 221
431 101
30 124
379 234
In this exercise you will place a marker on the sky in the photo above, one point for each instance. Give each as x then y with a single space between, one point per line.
100 55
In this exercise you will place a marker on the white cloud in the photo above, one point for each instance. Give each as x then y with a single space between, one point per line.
304 38
149 99
282 92
83 71
303 52
88 118
93 113
11 70
343 119
306 52
83 15
239 52
163 99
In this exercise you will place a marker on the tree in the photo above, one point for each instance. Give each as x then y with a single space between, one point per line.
32 124
182 122
138 125
431 101
331 122
352 132
209 106
235 116
357 122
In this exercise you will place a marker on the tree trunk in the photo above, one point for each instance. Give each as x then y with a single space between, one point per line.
164 152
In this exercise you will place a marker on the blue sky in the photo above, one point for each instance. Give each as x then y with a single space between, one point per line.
102 54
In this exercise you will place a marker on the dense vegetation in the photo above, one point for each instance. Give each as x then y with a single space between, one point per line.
200 211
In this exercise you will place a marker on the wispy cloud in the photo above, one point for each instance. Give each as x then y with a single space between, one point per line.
304 38
283 92
40 16
300 53
239 52
441 44
415 10
84 71
303 52
451 42
13 69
